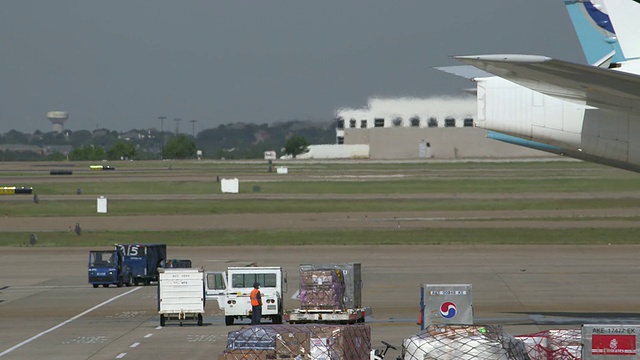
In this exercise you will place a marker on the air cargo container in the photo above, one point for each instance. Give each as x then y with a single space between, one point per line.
329 293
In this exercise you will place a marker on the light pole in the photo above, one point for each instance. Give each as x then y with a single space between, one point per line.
193 127
177 120
162 136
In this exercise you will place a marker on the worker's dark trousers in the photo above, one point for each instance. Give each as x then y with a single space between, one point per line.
256 315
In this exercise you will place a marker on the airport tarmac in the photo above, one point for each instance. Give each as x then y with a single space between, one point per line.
48 310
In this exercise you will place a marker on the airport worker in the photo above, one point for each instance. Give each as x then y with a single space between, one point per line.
256 304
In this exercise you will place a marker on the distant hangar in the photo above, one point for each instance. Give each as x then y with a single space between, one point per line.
414 128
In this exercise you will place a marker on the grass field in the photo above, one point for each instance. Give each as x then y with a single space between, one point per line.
586 236
107 186
77 208
324 187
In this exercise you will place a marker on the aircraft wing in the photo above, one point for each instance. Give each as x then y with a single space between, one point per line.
465 71
584 84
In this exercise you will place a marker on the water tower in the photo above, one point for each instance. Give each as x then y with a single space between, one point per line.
57 118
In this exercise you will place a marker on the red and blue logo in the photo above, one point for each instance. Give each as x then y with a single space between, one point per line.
448 310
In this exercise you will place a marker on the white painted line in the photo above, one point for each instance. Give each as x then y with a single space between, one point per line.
159 328
135 345
121 355
148 335
66 322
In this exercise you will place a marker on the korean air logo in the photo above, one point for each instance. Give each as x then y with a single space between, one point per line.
448 310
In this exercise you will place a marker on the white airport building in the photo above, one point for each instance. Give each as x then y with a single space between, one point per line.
414 128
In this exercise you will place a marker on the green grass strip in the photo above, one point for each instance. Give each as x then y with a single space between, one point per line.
585 236
273 206
390 186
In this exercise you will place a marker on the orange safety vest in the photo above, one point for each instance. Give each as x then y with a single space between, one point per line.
256 299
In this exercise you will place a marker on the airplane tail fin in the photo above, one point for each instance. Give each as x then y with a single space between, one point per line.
607 29
625 14
595 32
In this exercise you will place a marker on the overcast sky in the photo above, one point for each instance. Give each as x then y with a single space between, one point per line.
120 64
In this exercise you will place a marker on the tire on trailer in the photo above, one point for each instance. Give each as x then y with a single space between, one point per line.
105 285
199 319
95 286
162 320
228 320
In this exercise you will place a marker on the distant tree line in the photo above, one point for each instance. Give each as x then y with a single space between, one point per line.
229 141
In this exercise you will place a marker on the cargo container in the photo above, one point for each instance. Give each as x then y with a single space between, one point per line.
310 341
329 293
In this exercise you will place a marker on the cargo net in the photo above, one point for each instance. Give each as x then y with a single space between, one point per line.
562 344
463 342
321 289
321 342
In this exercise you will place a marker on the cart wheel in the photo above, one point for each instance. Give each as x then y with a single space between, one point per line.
95 285
162 320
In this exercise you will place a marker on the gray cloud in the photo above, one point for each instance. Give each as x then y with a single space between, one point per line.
120 64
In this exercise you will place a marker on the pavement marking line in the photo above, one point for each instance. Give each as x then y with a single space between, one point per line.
148 335
66 322
135 345
121 355
159 328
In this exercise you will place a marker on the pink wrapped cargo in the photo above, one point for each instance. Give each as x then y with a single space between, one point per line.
329 293
321 289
